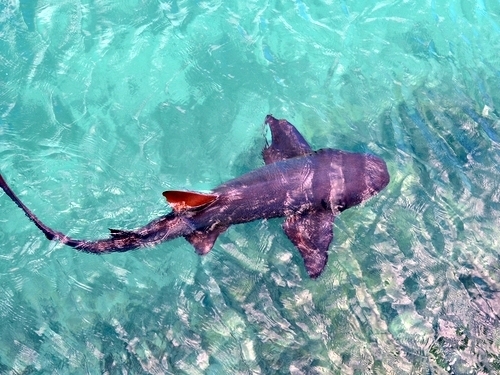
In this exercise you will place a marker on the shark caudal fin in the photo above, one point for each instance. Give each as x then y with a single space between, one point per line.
120 240
49 233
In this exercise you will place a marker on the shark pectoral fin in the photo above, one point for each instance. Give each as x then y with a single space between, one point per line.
287 141
203 241
312 234
184 200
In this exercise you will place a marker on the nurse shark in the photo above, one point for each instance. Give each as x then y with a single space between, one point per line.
307 188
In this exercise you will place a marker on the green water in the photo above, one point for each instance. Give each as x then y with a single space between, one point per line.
105 104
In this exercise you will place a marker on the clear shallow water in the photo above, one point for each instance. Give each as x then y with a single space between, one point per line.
103 105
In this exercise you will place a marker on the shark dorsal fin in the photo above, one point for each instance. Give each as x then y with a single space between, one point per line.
287 142
186 200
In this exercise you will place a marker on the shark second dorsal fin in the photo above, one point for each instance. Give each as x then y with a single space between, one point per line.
203 241
125 236
186 200
312 234
119 233
286 143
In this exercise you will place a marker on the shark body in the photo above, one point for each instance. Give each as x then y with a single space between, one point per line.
308 188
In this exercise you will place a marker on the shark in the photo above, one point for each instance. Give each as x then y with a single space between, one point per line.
308 188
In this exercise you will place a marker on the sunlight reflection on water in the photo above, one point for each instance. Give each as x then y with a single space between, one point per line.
104 107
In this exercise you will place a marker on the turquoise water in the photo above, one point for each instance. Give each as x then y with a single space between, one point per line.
105 104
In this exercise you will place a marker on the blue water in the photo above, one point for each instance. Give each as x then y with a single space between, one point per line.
105 104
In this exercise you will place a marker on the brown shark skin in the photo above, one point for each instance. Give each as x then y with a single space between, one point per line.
309 188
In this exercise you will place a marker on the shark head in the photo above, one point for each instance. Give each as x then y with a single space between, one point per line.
362 176
376 174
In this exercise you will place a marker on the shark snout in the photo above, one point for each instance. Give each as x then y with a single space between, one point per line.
377 175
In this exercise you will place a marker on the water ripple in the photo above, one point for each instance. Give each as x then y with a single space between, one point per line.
104 105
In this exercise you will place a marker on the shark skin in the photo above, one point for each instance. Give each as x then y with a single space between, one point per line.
308 188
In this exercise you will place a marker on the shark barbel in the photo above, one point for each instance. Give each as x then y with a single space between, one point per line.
308 188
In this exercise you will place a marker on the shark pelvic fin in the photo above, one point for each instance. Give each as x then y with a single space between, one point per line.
203 241
185 200
312 234
287 142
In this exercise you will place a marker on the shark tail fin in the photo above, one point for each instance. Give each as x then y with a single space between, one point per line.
49 232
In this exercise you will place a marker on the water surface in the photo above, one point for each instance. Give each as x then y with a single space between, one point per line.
104 105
